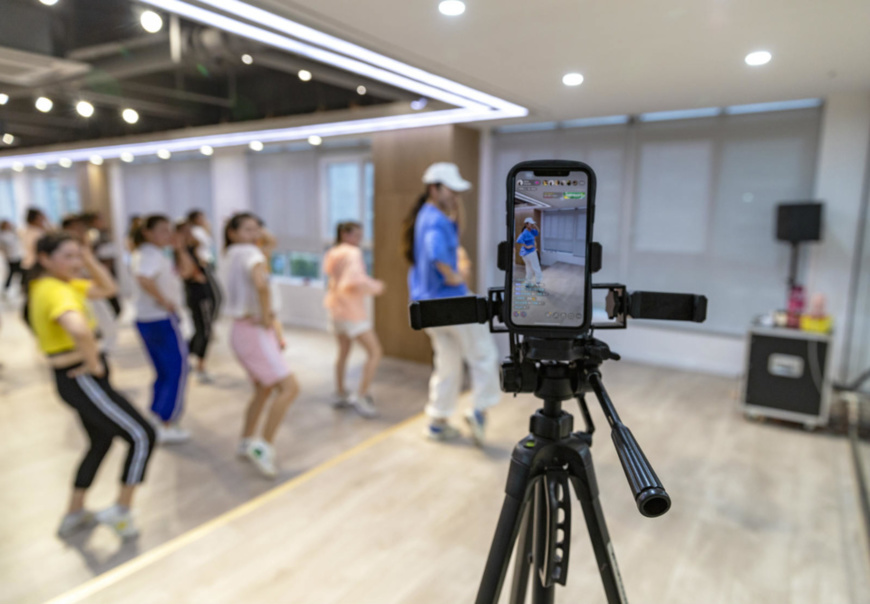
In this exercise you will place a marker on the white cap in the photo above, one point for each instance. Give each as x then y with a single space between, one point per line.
446 174
529 220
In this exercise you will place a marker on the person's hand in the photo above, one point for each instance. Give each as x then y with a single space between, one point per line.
282 343
98 370
169 306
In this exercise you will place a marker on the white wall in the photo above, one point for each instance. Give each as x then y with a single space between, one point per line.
840 182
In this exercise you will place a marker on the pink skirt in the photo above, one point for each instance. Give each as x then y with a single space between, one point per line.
258 351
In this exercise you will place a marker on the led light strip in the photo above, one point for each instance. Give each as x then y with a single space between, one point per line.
303 32
306 50
364 126
473 104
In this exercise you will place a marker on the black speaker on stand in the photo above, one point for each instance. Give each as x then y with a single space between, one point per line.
797 222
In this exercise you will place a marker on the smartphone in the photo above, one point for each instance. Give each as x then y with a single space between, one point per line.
550 212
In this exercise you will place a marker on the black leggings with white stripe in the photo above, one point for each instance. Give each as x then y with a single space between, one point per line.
105 414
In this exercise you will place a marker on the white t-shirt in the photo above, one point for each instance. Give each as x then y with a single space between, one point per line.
240 297
205 244
149 261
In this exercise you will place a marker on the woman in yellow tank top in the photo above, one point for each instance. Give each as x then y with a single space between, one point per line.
60 316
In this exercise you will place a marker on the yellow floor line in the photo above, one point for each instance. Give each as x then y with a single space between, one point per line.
130 567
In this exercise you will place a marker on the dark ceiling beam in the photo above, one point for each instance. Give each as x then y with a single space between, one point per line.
99 51
149 107
42 119
27 130
287 63
181 95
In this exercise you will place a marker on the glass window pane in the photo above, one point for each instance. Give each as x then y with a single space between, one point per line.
369 196
7 200
343 193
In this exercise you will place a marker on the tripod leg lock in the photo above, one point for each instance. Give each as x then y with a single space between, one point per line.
552 536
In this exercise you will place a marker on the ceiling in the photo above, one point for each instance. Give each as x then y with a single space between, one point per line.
636 55
97 51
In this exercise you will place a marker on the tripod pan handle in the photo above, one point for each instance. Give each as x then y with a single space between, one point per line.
649 494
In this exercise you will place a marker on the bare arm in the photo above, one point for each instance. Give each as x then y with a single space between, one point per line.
264 294
451 277
187 268
149 286
102 283
76 325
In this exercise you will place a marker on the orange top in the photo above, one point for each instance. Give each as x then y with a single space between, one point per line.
349 283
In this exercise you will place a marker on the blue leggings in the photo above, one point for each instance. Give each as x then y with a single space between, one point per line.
168 352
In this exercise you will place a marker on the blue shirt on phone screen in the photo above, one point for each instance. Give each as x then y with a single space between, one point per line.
527 237
436 239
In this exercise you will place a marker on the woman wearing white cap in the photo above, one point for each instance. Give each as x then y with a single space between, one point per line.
529 253
431 245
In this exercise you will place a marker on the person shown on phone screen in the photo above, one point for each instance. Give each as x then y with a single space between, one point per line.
529 253
431 245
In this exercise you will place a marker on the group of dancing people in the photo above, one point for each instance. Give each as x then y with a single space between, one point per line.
66 275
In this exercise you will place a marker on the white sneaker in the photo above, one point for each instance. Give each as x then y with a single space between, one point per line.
74 522
120 519
242 451
364 405
440 432
263 455
341 401
171 434
204 377
477 422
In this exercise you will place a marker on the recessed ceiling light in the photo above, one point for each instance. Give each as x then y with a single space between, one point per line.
39 165
164 154
304 75
247 59
256 146
127 157
419 104
452 8
18 166
314 140
361 90
131 116
44 104
8 139
84 109
759 57
49 2
96 160
151 21
65 162
4 98
206 150
572 79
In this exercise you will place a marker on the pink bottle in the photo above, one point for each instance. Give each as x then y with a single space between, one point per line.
796 303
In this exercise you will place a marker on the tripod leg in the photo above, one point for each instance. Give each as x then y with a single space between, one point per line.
508 527
586 488
523 560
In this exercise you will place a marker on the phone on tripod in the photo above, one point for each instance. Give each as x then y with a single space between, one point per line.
548 279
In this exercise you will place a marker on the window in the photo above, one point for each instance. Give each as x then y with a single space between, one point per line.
173 188
349 190
686 205
56 194
285 189
7 201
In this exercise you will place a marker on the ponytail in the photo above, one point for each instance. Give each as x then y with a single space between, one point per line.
235 222
408 227
149 223
345 227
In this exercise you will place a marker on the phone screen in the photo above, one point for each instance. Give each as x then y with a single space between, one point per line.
549 250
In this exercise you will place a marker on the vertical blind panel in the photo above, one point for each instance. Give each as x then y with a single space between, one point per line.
673 190
701 198
284 193
7 201
172 188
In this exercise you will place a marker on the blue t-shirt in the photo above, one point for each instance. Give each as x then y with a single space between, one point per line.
436 239
527 238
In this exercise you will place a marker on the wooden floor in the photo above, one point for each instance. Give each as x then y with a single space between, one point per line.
761 513
41 443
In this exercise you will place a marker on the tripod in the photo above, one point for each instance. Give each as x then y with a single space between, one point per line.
536 514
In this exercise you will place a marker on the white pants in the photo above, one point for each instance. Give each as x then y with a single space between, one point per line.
533 265
452 345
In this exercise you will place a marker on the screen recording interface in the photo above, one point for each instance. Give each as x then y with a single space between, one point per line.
549 255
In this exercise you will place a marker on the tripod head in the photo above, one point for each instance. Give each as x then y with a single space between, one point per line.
556 369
